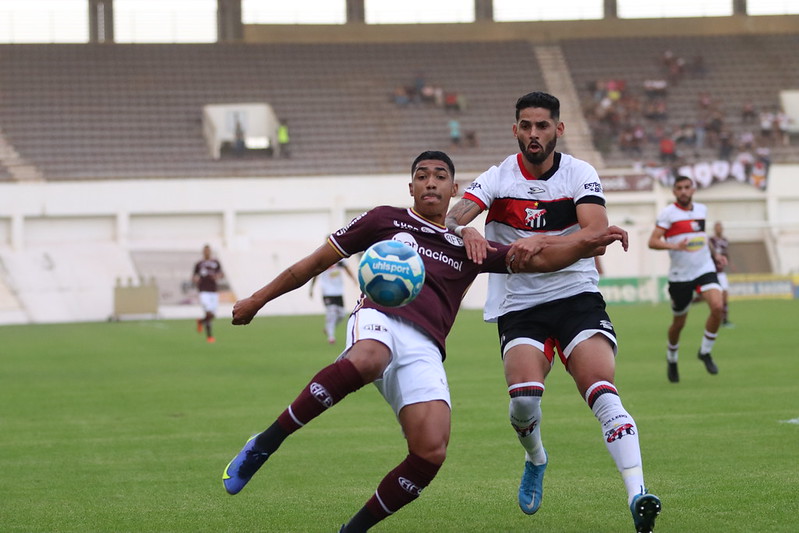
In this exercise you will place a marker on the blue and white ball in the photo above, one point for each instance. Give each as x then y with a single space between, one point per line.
391 273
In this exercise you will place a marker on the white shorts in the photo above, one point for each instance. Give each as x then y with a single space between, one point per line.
209 301
723 281
416 372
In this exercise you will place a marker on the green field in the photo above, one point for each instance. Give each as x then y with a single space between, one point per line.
126 427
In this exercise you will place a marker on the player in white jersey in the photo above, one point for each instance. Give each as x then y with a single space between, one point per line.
680 229
331 283
401 350
550 197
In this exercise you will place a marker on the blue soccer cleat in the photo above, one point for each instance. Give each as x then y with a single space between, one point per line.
241 469
645 508
531 489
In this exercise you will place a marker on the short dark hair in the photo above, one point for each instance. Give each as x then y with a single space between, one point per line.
539 99
437 155
678 179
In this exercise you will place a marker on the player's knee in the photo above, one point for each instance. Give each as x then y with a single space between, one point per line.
370 358
434 452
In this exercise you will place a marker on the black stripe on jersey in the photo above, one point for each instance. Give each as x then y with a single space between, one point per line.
537 215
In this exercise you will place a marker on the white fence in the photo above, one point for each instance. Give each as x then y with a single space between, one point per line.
64 246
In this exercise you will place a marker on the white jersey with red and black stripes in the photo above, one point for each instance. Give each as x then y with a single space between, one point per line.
680 224
520 205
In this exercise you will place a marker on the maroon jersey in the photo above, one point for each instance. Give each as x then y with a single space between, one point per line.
448 272
720 246
208 270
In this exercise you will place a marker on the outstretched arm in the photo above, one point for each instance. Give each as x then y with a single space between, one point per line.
593 220
461 214
555 253
292 278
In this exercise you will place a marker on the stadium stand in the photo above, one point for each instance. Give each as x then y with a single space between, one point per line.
84 111
134 111
735 68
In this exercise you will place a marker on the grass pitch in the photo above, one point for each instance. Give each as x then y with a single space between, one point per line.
126 427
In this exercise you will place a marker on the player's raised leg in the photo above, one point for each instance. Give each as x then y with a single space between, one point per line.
324 390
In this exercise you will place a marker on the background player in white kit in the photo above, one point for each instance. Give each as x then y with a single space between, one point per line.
331 283
680 229
553 197
401 350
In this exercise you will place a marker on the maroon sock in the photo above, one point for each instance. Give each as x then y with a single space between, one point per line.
401 486
325 389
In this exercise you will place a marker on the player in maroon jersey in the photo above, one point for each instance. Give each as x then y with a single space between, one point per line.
206 274
401 350
721 246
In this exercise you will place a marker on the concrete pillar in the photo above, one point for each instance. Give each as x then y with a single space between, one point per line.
101 21
611 9
229 28
483 10
356 12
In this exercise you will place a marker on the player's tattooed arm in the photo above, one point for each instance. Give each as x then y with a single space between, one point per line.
456 221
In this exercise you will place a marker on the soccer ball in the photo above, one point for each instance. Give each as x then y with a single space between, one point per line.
391 273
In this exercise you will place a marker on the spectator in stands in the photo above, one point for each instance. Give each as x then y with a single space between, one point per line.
699 134
766 126
455 132
726 145
698 67
419 83
239 144
401 98
705 102
471 139
668 150
748 112
783 123
453 101
205 276
746 140
283 139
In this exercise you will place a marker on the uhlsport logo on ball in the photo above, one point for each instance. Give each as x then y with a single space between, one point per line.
391 273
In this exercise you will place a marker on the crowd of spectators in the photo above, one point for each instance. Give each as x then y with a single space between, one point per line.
636 121
420 92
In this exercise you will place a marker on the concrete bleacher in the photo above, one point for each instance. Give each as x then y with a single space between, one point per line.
97 111
739 67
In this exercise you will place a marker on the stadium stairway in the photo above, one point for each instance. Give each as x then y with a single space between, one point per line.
558 79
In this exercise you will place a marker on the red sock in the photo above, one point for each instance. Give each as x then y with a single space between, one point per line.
325 389
401 486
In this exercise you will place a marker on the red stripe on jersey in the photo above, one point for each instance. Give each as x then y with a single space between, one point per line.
684 226
529 214
520 162
475 199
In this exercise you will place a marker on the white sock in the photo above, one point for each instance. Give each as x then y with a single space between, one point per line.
672 352
708 340
525 417
619 433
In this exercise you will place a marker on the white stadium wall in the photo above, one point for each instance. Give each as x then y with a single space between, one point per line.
64 246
